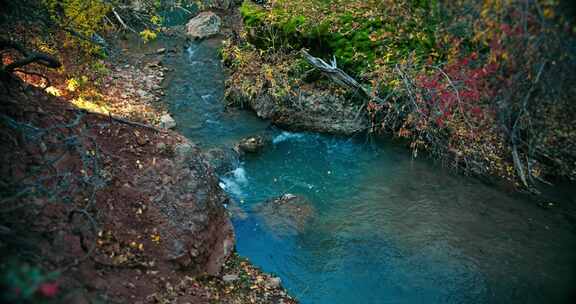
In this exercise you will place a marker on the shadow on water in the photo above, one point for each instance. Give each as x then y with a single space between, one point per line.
387 228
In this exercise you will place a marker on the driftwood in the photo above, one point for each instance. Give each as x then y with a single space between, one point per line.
340 77
120 120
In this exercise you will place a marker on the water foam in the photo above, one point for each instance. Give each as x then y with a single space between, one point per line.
284 136
191 50
234 182
206 97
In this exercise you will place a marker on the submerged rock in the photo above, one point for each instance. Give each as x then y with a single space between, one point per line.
274 282
205 25
235 211
287 214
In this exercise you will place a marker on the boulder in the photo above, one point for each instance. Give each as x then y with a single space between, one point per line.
252 144
316 111
182 150
222 160
287 214
167 122
205 25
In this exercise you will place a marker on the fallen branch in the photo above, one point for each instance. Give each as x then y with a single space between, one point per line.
48 82
514 134
121 120
133 123
519 166
29 57
340 77
122 21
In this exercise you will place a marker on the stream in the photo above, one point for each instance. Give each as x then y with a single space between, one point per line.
386 228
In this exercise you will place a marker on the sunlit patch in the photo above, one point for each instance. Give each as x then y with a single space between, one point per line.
90 106
53 91
72 84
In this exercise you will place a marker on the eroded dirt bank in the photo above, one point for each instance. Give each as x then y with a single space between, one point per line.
100 202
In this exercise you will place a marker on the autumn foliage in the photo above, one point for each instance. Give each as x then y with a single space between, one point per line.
484 85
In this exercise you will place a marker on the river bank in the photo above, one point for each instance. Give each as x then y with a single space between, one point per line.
337 219
101 201
356 219
427 82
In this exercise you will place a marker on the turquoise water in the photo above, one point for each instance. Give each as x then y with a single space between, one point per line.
386 228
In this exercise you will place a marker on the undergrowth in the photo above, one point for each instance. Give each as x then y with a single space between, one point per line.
484 85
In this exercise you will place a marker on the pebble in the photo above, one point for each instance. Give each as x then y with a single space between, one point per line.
167 122
230 278
161 146
274 282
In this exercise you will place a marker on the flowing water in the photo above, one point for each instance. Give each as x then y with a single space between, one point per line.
386 228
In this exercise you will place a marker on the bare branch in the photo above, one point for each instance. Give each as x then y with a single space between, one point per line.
29 57
122 21
339 76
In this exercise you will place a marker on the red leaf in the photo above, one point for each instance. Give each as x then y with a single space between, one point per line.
49 290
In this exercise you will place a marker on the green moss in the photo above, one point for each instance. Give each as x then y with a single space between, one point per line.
361 35
253 14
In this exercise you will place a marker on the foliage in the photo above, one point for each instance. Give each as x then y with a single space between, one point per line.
363 35
270 76
479 105
24 283
485 84
148 35
83 17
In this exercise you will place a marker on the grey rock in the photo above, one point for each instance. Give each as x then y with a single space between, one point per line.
311 111
167 122
183 150
205 25
222 160
252 144
142 93
230 278
274 282
161 146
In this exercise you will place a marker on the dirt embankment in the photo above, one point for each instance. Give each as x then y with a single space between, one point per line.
109 207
